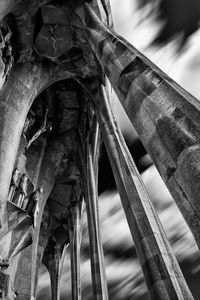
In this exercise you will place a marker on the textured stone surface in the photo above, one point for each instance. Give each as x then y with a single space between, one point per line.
100 290
52 260
156 258
75 245
53 41
16 98
164 115
52 45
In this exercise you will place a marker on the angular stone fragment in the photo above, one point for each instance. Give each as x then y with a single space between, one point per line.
53 41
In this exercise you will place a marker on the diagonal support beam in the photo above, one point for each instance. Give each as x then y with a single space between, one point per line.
165 116
161 270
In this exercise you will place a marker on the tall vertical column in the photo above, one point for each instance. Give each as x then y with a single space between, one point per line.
43 240
161 270
96 250
75 244
166 117
22 280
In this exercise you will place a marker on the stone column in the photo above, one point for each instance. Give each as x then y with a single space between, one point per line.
96 251
161 271
75 244
6 6
52 259
165 116
52 157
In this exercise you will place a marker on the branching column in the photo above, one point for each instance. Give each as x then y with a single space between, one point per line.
6 6
166 117
161 270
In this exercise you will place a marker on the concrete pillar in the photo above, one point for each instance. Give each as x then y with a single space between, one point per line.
52 259
165 116
161 271
53 154
96 250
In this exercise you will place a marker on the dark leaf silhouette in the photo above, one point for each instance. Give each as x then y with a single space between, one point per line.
179 17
